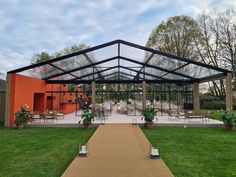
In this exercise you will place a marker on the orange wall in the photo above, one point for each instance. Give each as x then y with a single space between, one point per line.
22 92
61 98
23 89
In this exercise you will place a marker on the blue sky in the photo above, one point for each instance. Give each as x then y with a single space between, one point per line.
29 27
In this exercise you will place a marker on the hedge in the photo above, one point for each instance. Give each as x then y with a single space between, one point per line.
215 105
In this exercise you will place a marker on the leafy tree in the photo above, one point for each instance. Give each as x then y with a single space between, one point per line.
64 64
41 57
44 56
176 36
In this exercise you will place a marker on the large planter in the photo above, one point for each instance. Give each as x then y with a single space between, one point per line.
149 125
228 128
20 126
86 126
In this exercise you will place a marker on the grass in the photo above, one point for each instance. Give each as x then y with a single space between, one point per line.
39 151
217 113
196 152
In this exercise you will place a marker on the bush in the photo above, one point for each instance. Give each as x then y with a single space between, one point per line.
210 98
229 119
215 105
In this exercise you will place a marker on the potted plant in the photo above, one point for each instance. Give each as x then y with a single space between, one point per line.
229 120
87 117
22 117
149 114
72 88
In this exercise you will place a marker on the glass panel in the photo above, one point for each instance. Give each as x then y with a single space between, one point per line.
83 72
113 77
153 71
41 71
72 63
125 76
104 53
63 77
166 62
171 76
91 77
128 72
108 64
110 75
197 71
133 53
130 64
110 71
148 77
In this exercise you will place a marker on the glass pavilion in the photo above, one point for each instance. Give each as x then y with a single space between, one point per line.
132 68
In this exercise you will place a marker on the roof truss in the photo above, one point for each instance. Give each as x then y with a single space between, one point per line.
142 65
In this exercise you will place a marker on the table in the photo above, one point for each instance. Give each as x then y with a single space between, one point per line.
196 117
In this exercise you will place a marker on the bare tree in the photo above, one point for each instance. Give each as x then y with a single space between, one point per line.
228 40
208 46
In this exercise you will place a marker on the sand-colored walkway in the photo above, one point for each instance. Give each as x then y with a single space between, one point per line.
118 150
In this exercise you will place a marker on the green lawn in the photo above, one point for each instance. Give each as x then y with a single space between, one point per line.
196 152
39 151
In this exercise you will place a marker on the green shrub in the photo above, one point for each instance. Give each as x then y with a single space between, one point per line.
149 114
215 105
210 98
229 118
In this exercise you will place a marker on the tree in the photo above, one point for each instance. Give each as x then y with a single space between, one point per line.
208 47
44 56
217 45
41 57
66 64
228 40
74 48
176 36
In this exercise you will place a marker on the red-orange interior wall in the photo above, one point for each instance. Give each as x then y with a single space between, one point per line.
61 100
22 92
23 89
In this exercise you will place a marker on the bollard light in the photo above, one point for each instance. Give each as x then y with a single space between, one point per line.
154 152
83 150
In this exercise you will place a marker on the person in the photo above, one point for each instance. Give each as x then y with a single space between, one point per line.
86 104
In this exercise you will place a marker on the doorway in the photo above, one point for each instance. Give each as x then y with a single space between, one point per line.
39 102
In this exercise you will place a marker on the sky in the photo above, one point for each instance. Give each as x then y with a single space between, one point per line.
29 27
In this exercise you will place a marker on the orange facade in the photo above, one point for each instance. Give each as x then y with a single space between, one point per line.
33 92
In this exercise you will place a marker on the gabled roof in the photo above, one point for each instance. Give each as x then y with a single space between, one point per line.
121 61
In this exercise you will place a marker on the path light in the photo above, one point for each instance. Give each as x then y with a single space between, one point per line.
154 152
134 121
83 150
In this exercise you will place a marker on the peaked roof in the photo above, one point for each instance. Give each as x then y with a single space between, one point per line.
121 61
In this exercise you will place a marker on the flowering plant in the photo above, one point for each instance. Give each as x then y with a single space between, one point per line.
23 115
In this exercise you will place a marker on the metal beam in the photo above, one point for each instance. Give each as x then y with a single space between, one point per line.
212 78
124 43
149 58
176 69
98 72
114 77
62 69
91 62
172 56
116 81
65 56
157 77
158 68
80 68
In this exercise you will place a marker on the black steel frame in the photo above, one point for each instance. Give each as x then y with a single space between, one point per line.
120 78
